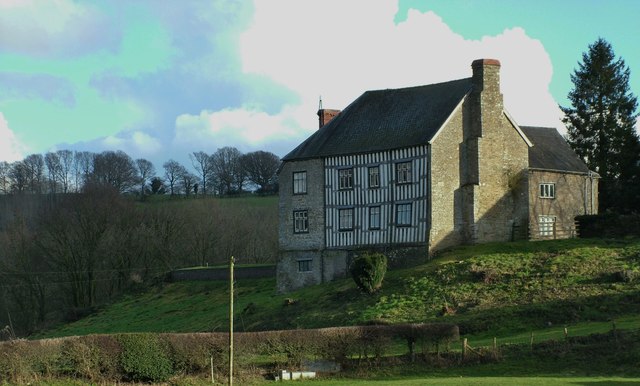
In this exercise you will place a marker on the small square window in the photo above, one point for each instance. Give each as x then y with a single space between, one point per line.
547 190
403 214
300 221
374 217
304 265
345 219
345 177
403 172
374 177
299 182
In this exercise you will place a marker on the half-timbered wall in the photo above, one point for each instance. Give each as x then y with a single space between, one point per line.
389 194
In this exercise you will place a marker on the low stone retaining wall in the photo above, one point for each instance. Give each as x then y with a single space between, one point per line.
222 273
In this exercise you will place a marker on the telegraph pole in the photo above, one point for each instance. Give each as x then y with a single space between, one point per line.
231 321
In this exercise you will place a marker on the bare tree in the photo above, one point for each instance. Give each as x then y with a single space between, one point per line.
172 170
186 180
34 167
54 170
83 167
260 168
66 163
19 177
146 170
5 180
203 164
227 170
116 169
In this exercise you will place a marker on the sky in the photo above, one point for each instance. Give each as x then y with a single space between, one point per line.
160 79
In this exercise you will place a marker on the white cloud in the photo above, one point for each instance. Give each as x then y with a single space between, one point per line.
136 143
246 128
10 147
341 49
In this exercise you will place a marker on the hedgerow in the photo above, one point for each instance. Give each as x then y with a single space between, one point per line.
158 357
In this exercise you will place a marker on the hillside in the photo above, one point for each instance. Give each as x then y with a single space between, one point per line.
489 290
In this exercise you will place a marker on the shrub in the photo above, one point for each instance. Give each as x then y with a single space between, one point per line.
368 271
144 358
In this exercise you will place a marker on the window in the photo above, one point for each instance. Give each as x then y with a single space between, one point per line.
374 177
374 217
345 219
403 172
300 221
547 225
304 265
345 177
299 182
403 214
547 190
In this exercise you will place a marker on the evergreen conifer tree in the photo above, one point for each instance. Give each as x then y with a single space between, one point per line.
601 126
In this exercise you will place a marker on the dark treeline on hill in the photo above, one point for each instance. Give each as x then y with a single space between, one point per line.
63 255
227 171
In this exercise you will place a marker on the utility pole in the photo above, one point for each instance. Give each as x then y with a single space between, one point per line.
231 321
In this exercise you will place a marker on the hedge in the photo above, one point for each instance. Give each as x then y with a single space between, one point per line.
609 225
159 357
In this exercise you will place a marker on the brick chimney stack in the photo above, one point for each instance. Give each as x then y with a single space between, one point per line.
325 115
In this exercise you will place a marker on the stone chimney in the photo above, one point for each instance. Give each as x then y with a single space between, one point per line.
486 98
326 115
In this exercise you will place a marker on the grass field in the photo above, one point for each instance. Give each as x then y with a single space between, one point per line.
503 290
510 291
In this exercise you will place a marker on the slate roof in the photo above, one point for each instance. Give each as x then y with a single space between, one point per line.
385 119
551 152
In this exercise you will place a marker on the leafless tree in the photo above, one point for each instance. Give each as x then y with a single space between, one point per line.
146 170
172 171
54 170
186 181
5 180
66 164
19 177
83 168
203 164
116 169
260 168
227 170
34 167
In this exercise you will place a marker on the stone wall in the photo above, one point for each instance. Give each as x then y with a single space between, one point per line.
222 273
296 247
575 194
312 201
447 154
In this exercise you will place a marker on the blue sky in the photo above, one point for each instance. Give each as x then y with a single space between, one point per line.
160 79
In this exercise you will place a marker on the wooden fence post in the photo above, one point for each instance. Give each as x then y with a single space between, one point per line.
464 349
531 342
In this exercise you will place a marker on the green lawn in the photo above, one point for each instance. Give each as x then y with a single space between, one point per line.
482 381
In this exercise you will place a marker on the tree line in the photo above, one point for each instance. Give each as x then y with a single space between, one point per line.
226 171
63 255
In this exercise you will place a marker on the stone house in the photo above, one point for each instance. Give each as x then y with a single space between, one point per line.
410 171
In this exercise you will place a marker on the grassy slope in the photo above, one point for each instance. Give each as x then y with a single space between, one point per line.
504 290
